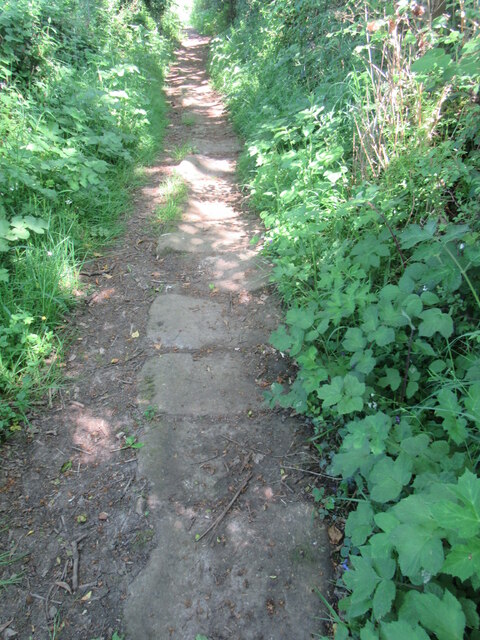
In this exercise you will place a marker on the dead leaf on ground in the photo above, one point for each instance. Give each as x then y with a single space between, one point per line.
334 534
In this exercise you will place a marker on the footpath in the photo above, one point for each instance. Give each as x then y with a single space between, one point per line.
238 552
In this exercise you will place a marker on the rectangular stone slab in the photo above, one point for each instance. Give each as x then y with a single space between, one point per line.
212 385
186 322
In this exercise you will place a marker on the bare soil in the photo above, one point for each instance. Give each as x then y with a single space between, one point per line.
206 528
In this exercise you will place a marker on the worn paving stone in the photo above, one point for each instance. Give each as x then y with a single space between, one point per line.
187 322
215 384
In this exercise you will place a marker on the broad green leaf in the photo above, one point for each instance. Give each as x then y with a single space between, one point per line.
444 617
363 361
417 549
391 379
463 518
359 523
301 317
434 61
414 234
433 321
384 335
401 630
280 339
4 276
388 478
354 339
383 598
369 632
331 393
472 402
361 579
470 610
463 561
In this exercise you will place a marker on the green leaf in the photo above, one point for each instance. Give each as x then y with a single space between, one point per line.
463 518
401 630
303 318
384 335
363 361
354 340
434 61
470 610
388 478
359 523
361 579
391 379
331 393
417 549
369 632
383 598
433 321
443 617
463 561
280 339
472 402
4 275
414 234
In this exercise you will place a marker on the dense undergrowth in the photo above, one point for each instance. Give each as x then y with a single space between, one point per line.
362 129
80 107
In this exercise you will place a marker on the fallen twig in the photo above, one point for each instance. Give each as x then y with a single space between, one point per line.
76 559
227 508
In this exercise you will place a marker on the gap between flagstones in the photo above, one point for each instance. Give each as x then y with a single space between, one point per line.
254 576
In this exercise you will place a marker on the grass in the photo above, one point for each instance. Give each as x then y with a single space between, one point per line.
174 193
179 153
91 114
188 119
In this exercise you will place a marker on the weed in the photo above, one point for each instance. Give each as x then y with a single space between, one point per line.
188 119
80 108
150 412
173 192
362 157
181 152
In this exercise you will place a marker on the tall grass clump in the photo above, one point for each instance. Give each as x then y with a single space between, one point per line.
362 155
80 107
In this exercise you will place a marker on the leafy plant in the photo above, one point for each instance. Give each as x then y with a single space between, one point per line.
362 157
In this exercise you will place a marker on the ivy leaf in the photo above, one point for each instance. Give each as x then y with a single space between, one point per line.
463 561
383 598
388 478
417 549
433 321
359 523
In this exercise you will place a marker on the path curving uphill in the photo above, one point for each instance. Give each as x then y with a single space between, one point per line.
238 553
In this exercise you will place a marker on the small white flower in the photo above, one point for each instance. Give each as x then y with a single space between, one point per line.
68 201
49 253
424 288
462 246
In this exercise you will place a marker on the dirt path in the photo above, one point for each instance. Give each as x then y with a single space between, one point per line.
203 530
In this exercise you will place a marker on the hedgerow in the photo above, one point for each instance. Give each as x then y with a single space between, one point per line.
80 107
362 155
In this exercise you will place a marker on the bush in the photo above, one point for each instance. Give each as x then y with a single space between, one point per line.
362 156
79 107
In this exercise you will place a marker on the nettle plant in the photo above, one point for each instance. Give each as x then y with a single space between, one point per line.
394 365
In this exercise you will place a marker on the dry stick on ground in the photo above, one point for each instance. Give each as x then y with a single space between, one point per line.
75 557
227 508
